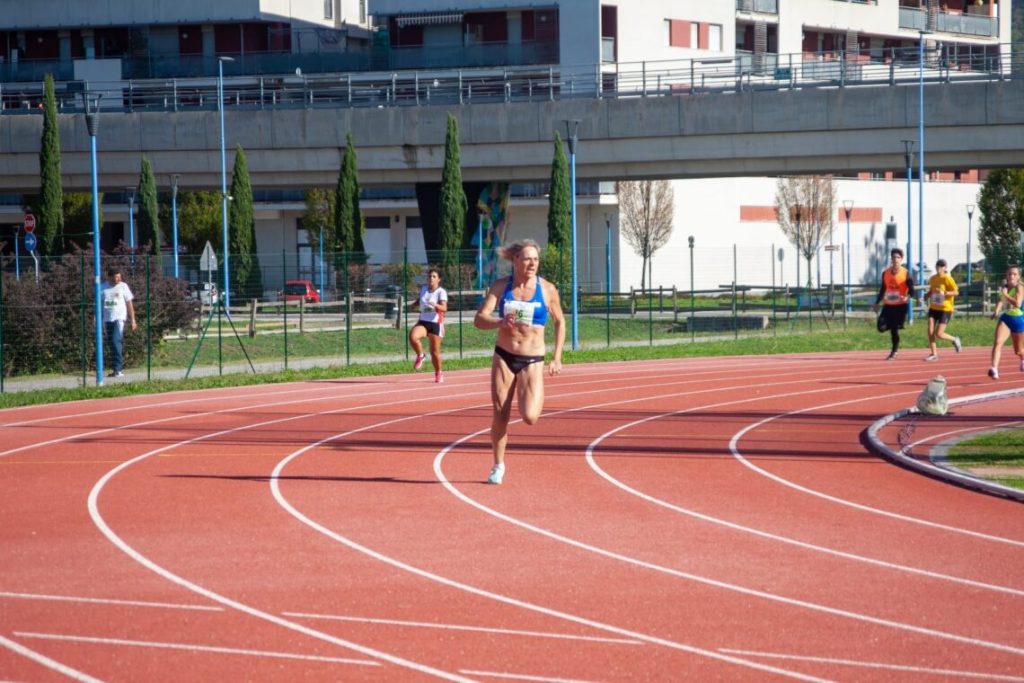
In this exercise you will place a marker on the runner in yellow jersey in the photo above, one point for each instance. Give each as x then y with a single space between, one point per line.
942 290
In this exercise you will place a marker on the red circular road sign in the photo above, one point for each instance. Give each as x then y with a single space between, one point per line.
30 222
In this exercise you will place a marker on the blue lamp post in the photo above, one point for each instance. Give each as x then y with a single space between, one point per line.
970 215
608 260
226 298
908 154
480 249
848 208
174 219
323 290
572 129
130 194
91 103
920 157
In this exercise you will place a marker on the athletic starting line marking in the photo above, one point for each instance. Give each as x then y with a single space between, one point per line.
462 627
109 601
190 647
875 665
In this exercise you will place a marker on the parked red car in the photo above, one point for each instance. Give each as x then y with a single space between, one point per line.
295 290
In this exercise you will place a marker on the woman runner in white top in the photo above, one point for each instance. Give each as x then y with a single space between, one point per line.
433 303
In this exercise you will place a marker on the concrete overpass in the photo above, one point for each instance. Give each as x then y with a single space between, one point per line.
975 124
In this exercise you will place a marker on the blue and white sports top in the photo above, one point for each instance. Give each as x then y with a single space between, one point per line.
533 312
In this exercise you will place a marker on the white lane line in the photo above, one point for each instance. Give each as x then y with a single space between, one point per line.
877 665
519 677
330 533
734 448
192 647
42 659
773 597
592 462
104 528
108 601
462 627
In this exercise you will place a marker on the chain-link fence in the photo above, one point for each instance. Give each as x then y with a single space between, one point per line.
290 310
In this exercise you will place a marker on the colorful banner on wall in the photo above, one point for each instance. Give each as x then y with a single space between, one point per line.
493 211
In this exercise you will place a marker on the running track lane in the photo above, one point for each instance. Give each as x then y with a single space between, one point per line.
726 519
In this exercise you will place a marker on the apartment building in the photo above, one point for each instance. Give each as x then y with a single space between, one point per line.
769 35
122 39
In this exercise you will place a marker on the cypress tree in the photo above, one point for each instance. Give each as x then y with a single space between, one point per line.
453 206
50 226
349 225
241 228
556 262
149 209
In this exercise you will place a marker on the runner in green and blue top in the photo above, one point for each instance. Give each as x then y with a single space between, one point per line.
1011 322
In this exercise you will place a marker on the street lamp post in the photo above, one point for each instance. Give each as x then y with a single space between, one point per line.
174 219
480 249
323 289
92 121
920 157
572 129
908 156
848 209
226 297
130 193
608 260
970 215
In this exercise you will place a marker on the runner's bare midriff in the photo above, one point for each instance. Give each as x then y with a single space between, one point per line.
522 340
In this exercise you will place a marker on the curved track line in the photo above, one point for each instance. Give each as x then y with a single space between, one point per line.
878 621
842 501
592 462
104 528
47 662
473 590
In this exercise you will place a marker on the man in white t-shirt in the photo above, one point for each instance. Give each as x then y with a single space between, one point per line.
117 309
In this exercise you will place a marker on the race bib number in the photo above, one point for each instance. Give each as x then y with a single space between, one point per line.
521 311
893 297
938 298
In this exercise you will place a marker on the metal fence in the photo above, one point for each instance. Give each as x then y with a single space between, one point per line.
357 311
419 87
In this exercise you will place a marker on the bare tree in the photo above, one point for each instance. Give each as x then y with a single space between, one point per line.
646 210
805 206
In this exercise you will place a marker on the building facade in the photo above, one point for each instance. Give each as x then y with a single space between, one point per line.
724 215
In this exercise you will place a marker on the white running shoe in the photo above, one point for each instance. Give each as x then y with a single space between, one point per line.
931 357
994 374
957 345
497 474
418 363
891 356
439 377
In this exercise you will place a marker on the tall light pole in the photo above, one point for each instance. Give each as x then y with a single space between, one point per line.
323 289
91 103
572 129
480 249
608 260
130 194
848 208
174 219
920 156
908 154
970 215
226 298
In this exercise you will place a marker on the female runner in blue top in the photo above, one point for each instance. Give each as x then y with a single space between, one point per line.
519 307
1011 322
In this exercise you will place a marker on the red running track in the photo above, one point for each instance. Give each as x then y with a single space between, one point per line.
684 519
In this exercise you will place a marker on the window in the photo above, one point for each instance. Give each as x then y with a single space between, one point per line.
328 9
715 37
695 34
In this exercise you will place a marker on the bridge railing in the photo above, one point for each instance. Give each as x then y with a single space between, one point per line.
743 72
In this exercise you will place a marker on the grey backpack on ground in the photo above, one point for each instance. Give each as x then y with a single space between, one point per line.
932 400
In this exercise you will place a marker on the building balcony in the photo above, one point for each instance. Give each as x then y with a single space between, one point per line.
486 54
948 22
758 6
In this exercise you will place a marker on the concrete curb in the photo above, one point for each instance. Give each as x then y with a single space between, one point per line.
945 473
